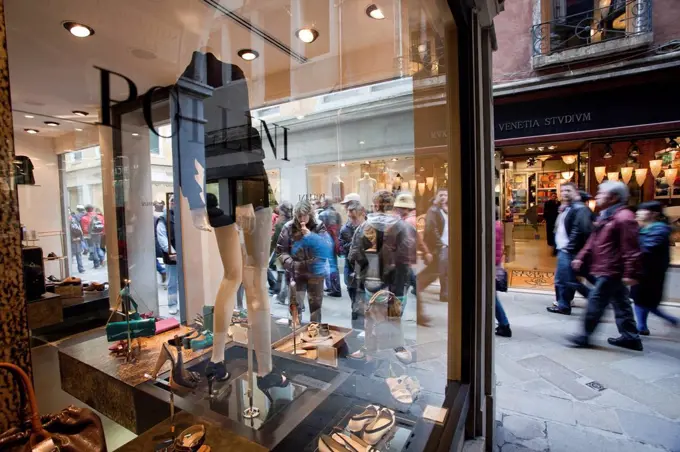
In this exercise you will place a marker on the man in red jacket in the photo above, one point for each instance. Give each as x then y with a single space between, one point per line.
612 256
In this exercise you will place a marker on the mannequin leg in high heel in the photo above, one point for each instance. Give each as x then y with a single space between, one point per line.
230 252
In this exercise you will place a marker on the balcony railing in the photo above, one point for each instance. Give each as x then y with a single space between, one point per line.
622 19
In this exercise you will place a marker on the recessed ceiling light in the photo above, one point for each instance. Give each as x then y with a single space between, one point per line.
301 116
79 130
374 12
362 142
135 134
248 54
29 116
51 123
78 30
31 131
80 113
307 35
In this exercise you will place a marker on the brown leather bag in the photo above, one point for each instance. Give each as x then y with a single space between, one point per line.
71 430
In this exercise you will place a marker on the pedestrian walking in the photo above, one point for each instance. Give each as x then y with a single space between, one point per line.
436 239
612 256
165 232
332 221
503 328
284 216
405 208
550 212
574 225
76 240
356 215
655 247
92 225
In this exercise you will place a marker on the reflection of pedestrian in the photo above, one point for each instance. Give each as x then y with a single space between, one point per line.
92 224
655 246
167 244
551 209
332 220
356 215
503 328
437 241
612 256
76 240
284 216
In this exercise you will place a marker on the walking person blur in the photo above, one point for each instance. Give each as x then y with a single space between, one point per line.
612 256
92 225
356 215
503 328
304 248
551 210
285 215
332 221
165 231
574 225
655 247
76 239
437 240
405 207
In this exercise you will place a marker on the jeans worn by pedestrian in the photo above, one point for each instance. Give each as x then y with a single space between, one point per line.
160 268
611 290
351 289
332 279
76 250
313 287
172 287
96 250
641 313
566 283
438 268
501 317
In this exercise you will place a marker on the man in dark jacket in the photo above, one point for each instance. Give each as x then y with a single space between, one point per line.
612 256
356 215
332 220
551 210
436 239
574 226
165 235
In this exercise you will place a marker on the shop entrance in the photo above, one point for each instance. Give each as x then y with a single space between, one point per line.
528 196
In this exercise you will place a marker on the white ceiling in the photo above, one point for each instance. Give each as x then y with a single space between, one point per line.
52 72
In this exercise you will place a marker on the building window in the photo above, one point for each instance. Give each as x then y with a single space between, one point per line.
77 156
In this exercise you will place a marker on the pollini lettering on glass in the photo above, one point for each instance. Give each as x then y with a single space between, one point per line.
549 121
217 137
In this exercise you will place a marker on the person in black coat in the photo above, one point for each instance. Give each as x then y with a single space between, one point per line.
551 210
654 243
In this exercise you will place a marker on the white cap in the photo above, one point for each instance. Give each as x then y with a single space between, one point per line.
80 207
351 197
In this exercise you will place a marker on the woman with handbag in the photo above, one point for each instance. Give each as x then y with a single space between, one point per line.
503 328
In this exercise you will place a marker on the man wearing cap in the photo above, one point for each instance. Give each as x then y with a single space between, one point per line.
351 197
356 215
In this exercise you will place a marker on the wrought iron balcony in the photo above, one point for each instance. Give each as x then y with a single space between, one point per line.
576 28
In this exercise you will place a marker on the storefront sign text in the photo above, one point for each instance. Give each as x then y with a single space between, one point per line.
549 121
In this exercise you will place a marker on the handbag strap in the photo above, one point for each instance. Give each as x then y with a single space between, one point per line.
37 429
377 294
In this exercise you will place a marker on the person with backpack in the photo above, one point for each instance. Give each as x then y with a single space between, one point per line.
166 242
76 240
92 225
333 221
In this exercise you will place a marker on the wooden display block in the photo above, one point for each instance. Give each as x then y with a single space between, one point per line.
336 339
69 290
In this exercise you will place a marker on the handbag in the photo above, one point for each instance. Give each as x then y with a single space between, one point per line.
501 279
394 304
71 430
139 327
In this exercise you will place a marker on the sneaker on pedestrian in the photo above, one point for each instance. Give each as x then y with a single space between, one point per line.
334 294
555 303
403 355
503 331
173 310
631 344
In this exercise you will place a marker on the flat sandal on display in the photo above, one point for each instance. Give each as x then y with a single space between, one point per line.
328 444
380 426
351 442
361 420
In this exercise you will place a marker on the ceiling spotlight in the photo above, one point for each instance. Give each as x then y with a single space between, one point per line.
78 30
301 117
307 35
80 113
135 134
343 164
552 147
633 149
51 123
79 130
374 12
29 116
608 151
31 131
541 148
362 142
530 149
248 54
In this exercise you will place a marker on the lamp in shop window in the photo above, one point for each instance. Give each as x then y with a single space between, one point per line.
567 175
569 159
412 185
626 174
655 167
670 174
614 176
421 188
430 182
608 151
600 172
640 176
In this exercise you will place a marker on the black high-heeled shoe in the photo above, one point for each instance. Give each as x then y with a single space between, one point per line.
190 378
181 378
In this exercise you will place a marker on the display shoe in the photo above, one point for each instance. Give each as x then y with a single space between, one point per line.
357 423
191 439
189 379
380 426
328 444
178 381
351 442
324 330
313 329
53 279
403 355
201 343
216 371
95 287
403 389
359 354
52 256
72 280
182 340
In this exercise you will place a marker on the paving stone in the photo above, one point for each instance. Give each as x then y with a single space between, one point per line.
651 429
536 405
565 438
540 386
524 427
609 398
560 376
659 399
650 366
509 372
591 415
671 384
517 448
520 349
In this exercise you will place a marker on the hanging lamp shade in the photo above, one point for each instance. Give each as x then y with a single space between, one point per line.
626 174
569 159
412 185
640 176
600 172
614 176
655 167
567 175
430 182
670 175
421 188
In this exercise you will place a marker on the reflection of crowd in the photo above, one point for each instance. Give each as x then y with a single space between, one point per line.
86 227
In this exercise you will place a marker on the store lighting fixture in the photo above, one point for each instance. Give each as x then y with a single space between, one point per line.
307 35
51 123
592 204
552 147
530 149
421 188
600 172
31 131
343 164
248 54
569 159
543 158
613 176
670 174
368 162
80 113
374 12
394 159
541 148
626 174
29 116
362 142
412 185
640 176
78 30
135 134
430 182
633 149
79 130
567 175
608 151
655 167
